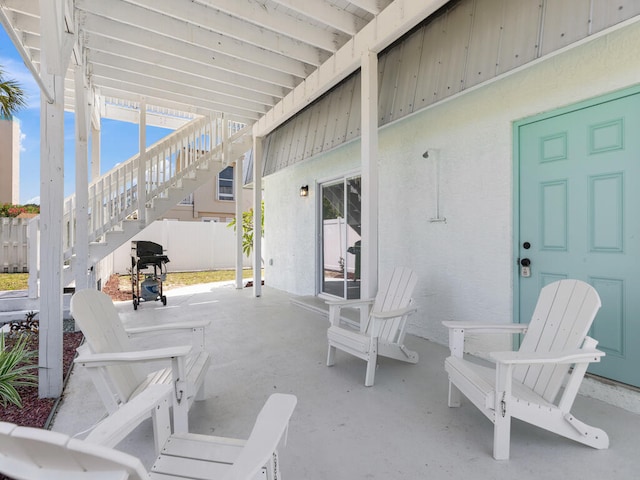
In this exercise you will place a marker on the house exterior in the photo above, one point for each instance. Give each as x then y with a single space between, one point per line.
213 202
463 187
9 161
488 144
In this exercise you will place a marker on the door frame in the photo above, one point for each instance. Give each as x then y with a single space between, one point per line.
318 226
590 102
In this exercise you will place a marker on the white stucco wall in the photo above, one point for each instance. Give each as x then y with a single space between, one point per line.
290 226
465 265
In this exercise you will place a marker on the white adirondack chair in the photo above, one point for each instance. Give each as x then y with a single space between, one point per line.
384 330
525 384
33 454
115 364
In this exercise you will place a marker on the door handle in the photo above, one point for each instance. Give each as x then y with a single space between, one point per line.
525 267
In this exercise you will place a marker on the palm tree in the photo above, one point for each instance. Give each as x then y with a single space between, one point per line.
12 97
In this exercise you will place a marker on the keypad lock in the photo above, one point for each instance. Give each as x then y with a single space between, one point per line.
525 267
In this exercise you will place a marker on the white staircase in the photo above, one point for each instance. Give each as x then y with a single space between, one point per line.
173 169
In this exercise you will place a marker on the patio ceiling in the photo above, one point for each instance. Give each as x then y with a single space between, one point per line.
251 60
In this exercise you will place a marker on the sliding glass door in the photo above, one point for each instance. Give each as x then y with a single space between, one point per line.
341 238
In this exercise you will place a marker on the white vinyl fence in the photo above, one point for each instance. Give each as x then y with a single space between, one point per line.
338 237
190 246
14 244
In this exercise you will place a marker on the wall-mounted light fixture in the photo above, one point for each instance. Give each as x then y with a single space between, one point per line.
304 191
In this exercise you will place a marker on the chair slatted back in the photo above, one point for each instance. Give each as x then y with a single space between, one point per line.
28 453
271 425
393 294
561 320
98 319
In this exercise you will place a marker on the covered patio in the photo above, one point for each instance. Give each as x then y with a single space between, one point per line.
401 428
413 105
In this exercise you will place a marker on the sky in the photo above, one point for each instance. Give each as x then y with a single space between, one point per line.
119 140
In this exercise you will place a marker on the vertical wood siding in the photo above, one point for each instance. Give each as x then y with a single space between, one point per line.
467 43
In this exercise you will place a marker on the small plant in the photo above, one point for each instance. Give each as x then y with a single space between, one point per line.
15 364
247 229
29 324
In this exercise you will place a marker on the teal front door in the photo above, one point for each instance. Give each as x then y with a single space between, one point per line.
578 200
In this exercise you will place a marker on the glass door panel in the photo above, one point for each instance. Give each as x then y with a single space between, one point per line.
341 238
353 230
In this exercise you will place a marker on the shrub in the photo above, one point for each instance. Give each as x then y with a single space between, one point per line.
15 363
9 210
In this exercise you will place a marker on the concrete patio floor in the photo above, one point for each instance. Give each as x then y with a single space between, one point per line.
341 430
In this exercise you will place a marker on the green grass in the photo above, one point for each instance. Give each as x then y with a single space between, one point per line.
13 281
178 279
18 281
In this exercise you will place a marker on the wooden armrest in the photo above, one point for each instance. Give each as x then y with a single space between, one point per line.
487 327
335 307
270 426
168 327
110 431
530 358
350 303
102 359
393 313
458 329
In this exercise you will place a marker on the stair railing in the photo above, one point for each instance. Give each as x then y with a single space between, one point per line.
113 197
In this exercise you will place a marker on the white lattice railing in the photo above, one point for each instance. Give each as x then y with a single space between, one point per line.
113 197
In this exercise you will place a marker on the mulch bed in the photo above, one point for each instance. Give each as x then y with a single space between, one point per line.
36 411
116 290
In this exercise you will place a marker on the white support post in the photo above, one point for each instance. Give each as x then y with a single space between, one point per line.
33 234
94 122
225 137
95 145
257 216
81 266
369 161
56 51
239 193
142 165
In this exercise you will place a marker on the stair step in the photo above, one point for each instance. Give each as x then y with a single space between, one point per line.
176 189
